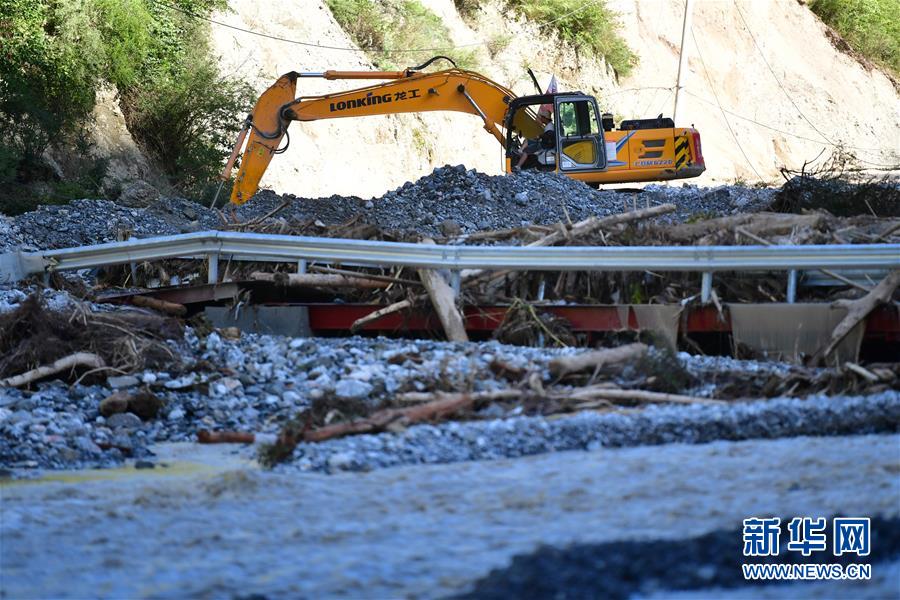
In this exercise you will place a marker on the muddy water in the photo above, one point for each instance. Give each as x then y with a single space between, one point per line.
213 525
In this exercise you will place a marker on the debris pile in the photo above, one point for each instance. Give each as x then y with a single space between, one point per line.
261 386
449 201
36 342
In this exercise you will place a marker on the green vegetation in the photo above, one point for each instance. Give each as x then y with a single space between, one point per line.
589 27
872 27
384 27
56 54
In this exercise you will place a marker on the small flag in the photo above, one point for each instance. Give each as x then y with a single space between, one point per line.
552 88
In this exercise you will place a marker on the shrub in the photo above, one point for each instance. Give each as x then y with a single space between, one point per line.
48 78
872 27
590 27
54 54
382 27
186 120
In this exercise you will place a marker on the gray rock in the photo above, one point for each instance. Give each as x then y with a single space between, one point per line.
139 194
124 421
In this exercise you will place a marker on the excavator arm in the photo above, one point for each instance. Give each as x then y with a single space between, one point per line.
405 92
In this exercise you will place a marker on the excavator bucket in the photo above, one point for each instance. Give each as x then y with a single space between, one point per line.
267 128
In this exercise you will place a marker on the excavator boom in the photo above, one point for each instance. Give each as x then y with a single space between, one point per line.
409 91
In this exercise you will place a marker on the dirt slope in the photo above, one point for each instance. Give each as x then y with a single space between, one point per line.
846 102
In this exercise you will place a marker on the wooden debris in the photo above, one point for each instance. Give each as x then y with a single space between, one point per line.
66 363
444 405
360 281
169 308
443 299
225 437
862 372
381 312
603 392
762 223
580 229
858 310
563 365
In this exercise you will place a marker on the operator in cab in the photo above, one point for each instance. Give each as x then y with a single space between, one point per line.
536 146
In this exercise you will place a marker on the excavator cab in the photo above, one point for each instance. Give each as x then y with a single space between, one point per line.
579 134
576 143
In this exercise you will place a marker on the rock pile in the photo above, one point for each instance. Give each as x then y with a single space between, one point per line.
447 201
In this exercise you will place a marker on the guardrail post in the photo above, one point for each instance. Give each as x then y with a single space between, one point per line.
302 265
455 281
706 287
792 286
213 259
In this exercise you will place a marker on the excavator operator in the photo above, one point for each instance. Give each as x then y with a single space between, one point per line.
540 144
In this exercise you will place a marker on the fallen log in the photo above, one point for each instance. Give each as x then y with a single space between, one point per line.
79 359
358 275
856 312
446 404
381 312
443 299
163 306
605 393
317 280
563 365
225 437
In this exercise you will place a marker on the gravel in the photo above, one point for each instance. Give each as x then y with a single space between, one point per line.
523 436
450 199
269 379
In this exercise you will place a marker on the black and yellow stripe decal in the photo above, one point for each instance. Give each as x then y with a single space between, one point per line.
682 151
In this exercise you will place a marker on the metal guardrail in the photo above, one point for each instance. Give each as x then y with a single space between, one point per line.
257 247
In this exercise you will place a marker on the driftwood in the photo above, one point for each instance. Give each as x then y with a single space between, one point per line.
582 228
358 275
317 280
375 315
563 365
858 310
169 308
759 223
443 299
225 437
604 392
79 359
579 229
444 405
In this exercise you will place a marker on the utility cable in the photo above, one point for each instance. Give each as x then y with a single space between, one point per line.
775 76
782 131
568 14
309 44
724 116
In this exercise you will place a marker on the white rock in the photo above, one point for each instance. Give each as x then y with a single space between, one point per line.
341 461
352 389
176 414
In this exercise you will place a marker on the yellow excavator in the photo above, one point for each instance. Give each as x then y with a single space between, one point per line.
582 143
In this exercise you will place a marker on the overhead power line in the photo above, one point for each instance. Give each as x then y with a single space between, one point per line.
724 116
775 76
305 43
